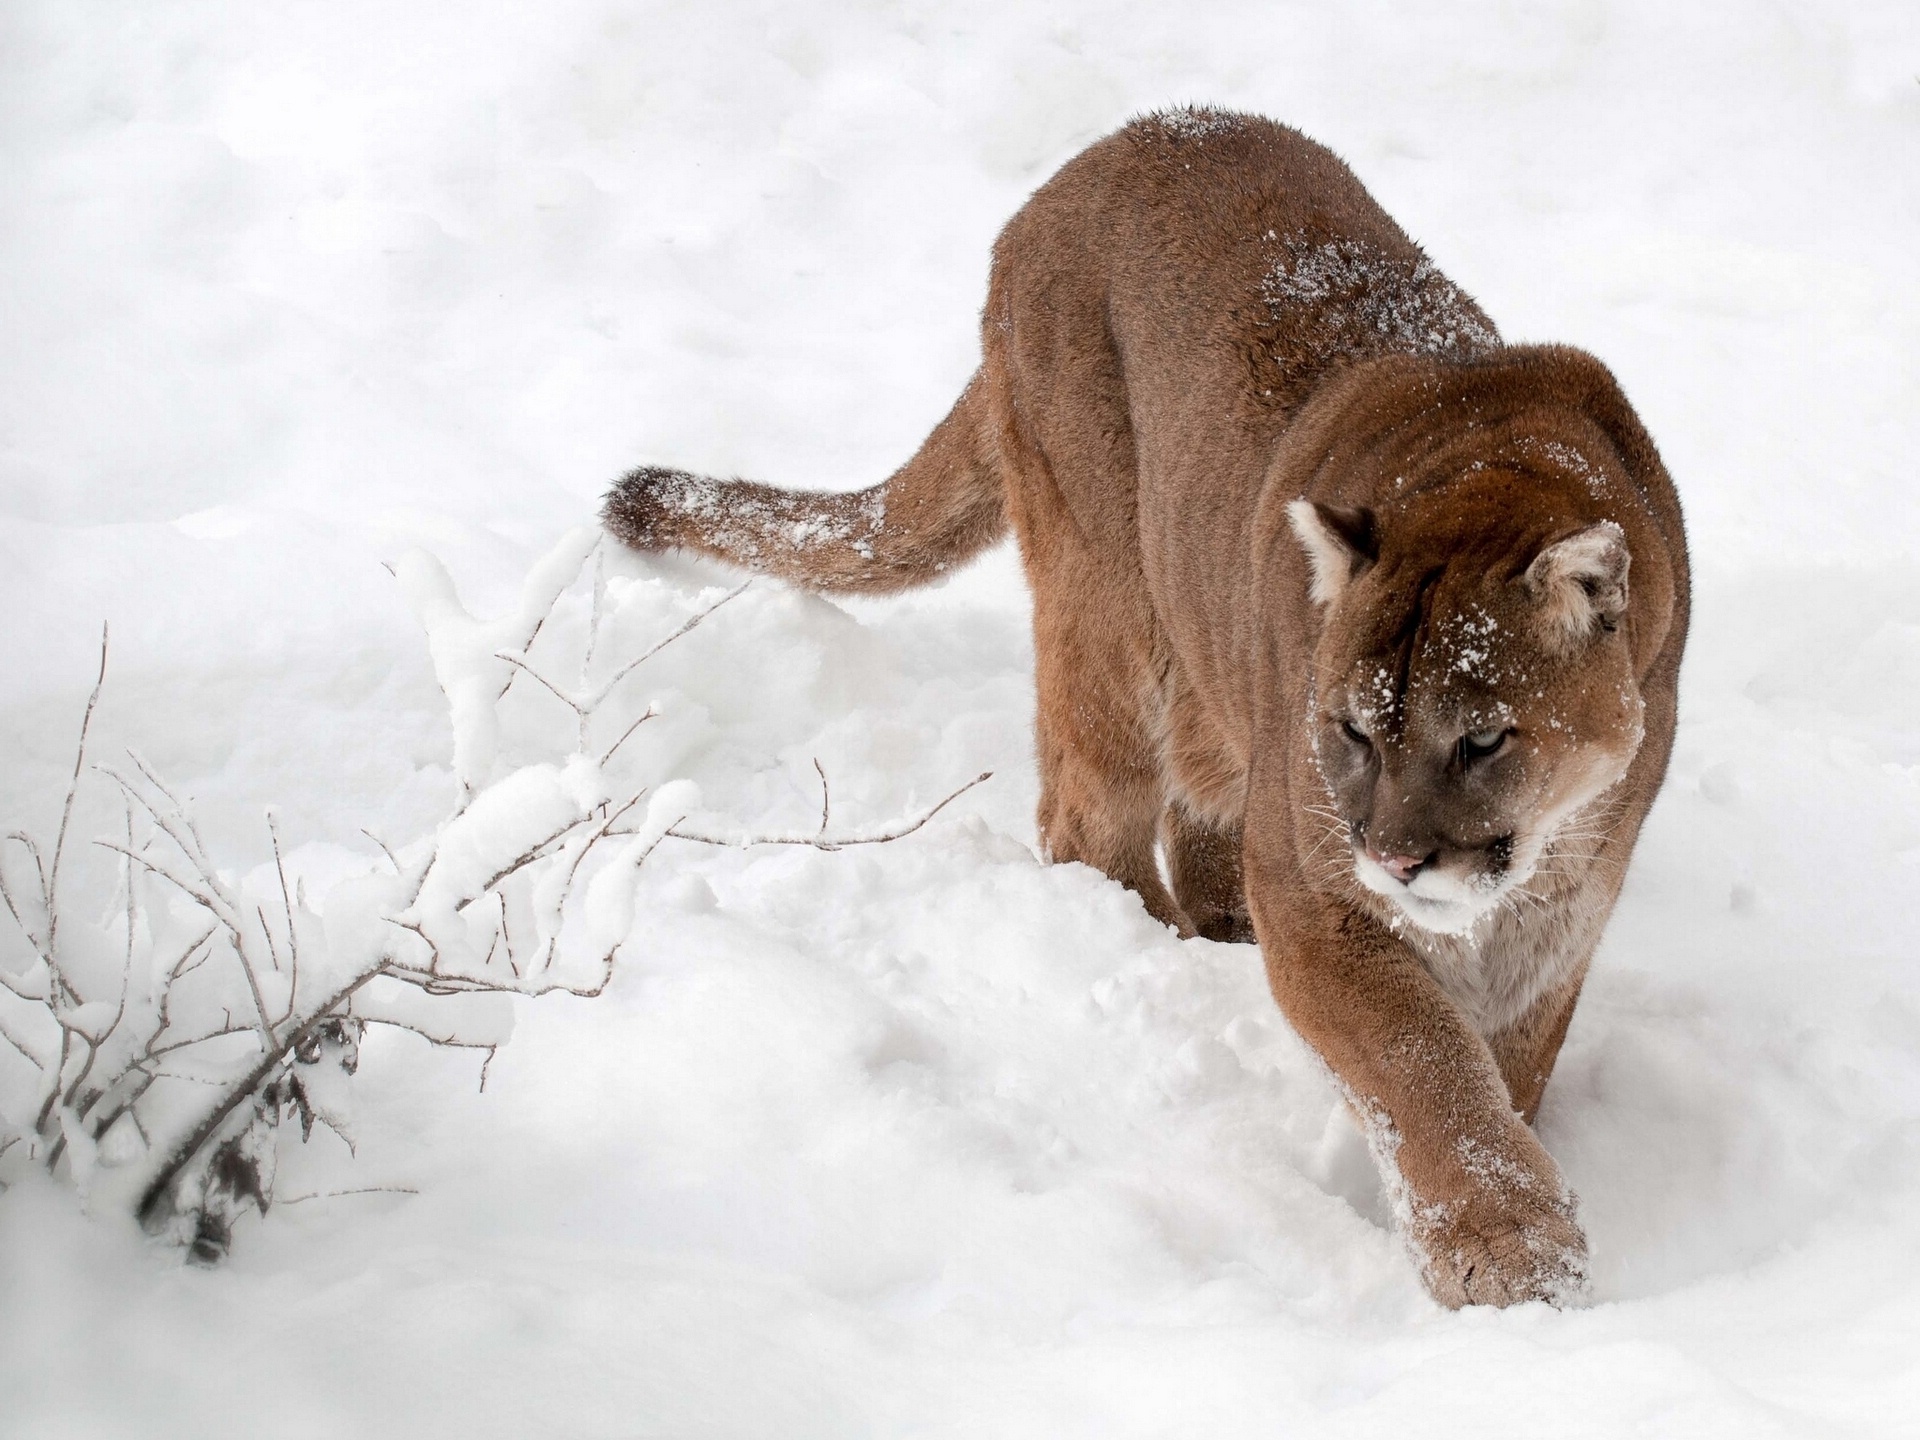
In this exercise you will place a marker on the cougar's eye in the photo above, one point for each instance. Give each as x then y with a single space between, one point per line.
1479 744
1354 733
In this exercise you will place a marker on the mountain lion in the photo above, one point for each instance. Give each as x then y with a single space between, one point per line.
1366 620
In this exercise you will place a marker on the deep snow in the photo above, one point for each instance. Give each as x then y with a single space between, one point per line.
929 1139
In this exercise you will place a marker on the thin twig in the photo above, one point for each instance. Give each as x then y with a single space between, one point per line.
293 933
94 1043
819 842
6 898
197 852
439 983
336 1194
44 1116
112 1117
155 1052
42 944
7 1035
522 860
520 664
607 754
13 985
210 900
506 937
599 608
594 701
383 848
253 988
73 788
27 842
178 969
606 827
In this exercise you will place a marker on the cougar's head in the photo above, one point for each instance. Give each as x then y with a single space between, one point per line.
1473 688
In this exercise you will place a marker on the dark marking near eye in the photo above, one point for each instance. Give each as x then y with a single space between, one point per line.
1407 639
1500 855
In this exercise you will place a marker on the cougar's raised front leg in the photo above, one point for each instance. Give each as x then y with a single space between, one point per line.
1204 863
1486 1210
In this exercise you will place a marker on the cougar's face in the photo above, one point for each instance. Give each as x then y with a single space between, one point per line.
1467 706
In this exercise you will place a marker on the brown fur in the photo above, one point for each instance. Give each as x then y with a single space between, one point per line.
1331 589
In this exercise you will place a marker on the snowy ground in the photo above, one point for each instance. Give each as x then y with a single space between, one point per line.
928 1139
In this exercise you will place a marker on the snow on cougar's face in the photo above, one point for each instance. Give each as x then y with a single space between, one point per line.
1474 695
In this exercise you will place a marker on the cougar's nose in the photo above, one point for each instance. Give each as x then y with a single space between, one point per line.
1401 867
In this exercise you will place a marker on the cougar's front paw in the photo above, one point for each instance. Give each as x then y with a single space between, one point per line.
1487 1252
1230 927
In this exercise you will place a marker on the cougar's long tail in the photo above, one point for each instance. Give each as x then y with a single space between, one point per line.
937 511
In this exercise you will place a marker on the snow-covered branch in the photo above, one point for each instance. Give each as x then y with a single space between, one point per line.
262 992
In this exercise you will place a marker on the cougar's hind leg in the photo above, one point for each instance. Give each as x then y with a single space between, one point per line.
1204 862
1053 386
1100 786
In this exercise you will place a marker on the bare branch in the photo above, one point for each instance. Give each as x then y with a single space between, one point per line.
286 899
8 982
43 1118
594 701
273 951
525 858
436 983
599 610
518 663
73 788
6 896
432 971
197 851
383 848
133 913
156 1051
179 828
337 1194
106 1122
253 989
94 1043
820 842
452 1042
506 937
15 1041
650 714
826 797
178 969
40 943
606 828
212 904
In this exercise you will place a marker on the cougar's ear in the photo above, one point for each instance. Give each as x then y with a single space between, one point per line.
1339 542
1580 583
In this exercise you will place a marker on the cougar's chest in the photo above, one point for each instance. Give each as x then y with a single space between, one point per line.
1523 952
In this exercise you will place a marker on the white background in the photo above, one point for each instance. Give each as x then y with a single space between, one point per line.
932 1140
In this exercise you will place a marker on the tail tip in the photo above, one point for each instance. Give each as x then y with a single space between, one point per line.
638 505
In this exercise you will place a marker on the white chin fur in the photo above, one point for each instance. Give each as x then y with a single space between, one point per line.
1435 903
